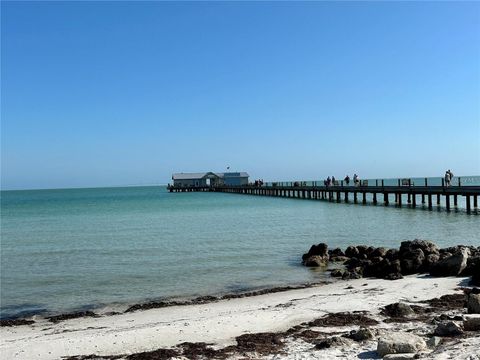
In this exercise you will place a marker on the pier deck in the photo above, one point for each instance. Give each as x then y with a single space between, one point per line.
379 193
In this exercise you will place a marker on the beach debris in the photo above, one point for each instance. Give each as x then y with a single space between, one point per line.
448 302
74 315
343 319
449 328
260 343
400 342
15 322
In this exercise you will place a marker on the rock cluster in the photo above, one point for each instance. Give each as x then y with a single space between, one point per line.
417 256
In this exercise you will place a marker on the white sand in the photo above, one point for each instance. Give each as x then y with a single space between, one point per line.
217 323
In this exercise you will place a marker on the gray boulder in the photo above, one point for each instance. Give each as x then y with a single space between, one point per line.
398 310
448 329
316 260
472 324
452 265
473 304
433 342
361 334
352 251
400 342
337 273
411 261
426 246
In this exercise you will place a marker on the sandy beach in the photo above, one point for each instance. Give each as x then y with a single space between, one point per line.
219 323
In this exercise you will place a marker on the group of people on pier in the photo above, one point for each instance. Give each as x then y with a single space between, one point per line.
333 182
448 177
258 182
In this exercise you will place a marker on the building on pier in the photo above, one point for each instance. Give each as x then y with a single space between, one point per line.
209 179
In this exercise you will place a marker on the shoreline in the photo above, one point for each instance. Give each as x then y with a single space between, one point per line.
101 311
220 323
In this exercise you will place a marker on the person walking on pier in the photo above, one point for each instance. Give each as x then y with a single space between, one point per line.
328 181
333 180
355 179
448 177
347 180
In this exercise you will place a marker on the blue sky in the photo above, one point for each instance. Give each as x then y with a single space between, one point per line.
118 93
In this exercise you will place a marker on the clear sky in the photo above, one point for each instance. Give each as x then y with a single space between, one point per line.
119 93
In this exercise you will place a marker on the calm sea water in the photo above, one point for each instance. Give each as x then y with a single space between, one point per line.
63 250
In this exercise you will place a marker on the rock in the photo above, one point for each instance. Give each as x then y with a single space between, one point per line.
361 334
333 341
430 260
433 342
406 356
362 249
400 342
476 275
338 258
472 324
337 273
316 260
426 246
394 276
355 273
320 250
452 265
336 252
392 254
473 303
473 263
352 251
411 261
380 251
398 310
448 329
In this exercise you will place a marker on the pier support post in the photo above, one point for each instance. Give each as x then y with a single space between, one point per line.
423 198
375 198
455 200
447 202
385 199
364 198
467 200
399 196
355 200
414 200
430 201
438 199
346 196
475 202
338 196
409 198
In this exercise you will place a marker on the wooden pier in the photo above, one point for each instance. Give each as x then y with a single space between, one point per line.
402 193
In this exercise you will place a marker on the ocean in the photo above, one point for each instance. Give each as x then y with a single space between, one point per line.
104 248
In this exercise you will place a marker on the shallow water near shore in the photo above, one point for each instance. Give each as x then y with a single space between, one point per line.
63 250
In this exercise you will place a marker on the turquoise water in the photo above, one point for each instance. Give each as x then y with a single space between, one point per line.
63 250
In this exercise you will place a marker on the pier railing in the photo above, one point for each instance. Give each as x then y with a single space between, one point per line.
467 187
409 182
